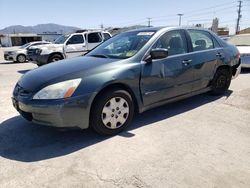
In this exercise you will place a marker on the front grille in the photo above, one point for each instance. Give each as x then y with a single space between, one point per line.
19 91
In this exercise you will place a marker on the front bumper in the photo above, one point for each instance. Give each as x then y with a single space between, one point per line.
8 57
73 112
39 59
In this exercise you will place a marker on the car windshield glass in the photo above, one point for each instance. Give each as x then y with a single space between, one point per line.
61 39
25 45
240 40
122 46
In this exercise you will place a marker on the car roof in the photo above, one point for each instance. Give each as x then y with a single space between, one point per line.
155 29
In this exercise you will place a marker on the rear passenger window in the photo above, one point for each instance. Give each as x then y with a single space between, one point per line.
94 37
201 40
173 41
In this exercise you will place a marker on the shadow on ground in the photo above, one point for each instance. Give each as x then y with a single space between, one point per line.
11 62
23 71
245 71
27 142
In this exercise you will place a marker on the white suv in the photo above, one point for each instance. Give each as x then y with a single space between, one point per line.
67 46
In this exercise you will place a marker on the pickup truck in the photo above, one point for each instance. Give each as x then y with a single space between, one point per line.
67 46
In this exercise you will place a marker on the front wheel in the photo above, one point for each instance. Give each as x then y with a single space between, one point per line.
55 58
221 81
21 58
112 112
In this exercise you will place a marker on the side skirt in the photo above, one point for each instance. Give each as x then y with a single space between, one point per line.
181 97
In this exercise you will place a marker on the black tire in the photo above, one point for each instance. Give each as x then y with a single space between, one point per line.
221 81
97 114
21 58
55 57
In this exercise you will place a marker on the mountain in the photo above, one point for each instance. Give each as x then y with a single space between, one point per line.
40 28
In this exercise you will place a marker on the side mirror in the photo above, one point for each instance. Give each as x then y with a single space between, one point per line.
159 53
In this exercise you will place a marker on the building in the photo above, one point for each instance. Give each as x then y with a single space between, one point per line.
20 39
8 40
49 36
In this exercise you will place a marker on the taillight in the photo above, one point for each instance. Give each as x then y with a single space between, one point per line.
238 56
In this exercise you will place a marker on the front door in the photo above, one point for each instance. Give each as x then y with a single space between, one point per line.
75 46
170 77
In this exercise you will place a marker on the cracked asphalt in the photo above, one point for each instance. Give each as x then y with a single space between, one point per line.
202 141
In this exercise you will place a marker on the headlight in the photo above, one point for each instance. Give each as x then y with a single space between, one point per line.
59 90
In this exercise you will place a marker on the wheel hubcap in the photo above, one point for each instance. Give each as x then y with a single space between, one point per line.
55 59
21 58
115 112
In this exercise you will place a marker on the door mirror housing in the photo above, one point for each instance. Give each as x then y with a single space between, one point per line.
159 53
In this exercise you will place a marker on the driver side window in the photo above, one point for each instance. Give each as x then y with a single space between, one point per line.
173 41
76 39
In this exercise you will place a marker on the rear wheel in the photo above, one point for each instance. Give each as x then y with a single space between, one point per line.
112 112
55 57
21 58
221 81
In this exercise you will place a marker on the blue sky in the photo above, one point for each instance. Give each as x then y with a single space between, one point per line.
93 13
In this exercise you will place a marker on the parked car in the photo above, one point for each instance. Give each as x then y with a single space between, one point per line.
20 54
242 42
67 46
131 72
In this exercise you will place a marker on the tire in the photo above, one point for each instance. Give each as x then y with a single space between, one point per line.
221 81
112 112
21 58
55 58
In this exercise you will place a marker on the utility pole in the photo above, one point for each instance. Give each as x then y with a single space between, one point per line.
102 27
149 22
180 15
238 19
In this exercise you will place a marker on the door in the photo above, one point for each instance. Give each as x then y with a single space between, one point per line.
206 54
170 77
75 46
94 39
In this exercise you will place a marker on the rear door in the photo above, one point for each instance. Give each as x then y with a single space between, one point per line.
75 46
170 77
205 55
94 39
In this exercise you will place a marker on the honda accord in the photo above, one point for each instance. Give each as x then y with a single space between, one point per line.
131 72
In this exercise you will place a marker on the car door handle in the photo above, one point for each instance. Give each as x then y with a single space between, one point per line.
219 54
186 62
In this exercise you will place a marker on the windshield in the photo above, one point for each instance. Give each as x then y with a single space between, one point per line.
61 39
240 40
25 45
122 46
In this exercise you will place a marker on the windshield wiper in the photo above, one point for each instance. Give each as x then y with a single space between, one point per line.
100 55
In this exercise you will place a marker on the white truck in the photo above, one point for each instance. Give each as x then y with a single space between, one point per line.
67 46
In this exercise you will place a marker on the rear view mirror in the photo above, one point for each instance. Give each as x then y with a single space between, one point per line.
159 53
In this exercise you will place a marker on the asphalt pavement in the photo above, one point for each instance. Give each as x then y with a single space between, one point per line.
203 141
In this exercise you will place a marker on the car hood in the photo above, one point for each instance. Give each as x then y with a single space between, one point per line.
47 46
62 70
18 50
244 49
